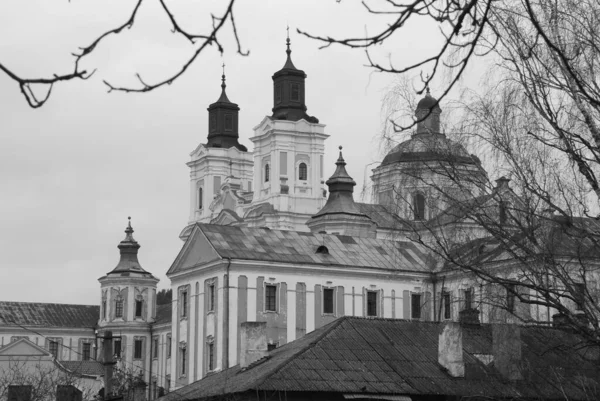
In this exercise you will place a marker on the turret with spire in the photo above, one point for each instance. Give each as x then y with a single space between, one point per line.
289 91
341 214
223 121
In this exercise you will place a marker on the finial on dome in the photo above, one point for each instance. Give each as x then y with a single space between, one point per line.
341 161
129 229
288 51
223 78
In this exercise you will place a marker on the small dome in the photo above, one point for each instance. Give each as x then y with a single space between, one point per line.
428 102
429 147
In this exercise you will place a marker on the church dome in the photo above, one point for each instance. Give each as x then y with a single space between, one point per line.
428 102
429 147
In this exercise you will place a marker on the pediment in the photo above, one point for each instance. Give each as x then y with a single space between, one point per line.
23 347
195 251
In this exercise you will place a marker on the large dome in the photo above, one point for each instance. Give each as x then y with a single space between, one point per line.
430 147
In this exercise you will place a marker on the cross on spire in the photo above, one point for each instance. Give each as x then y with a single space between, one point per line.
223 78
288 51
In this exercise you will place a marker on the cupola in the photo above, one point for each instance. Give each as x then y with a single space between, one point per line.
428 115
289 92
341 215
129 254
223 122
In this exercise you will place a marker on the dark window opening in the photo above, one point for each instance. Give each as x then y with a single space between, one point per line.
168 346
371 303
87 348
200 197
579 296
278 93
295 92
419 207
271 298
328 300
267 171
271 346
302 172
211 356
184 303
468 299
155 348
211 297
447 310
228 122
117 348
138 308
415 306
510 297
104 309
137 349
183 360
502 212
53 348
213 122
119 308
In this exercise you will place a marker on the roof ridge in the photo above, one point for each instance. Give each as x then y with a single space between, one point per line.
46 303
335 324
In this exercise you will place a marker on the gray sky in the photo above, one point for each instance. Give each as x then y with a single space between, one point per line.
72 171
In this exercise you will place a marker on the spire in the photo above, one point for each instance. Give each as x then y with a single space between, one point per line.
223 118
340 180
288 62
129 250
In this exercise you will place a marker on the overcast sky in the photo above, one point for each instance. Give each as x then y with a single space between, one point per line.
72 171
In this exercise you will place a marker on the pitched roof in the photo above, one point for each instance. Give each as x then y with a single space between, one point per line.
49 315
382 216
300 247
91 368
385 356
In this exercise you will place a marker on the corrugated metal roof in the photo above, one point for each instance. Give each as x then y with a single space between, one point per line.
294 247
49 315
398 357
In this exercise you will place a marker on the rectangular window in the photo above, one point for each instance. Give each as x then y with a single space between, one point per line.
447 310
468 299
278 93
510 297
138 308
117 348
137 349
371 303
271 346
415 306
211 297
579 296
87 348
169 346
295 92
155 348
328 294
184 303
119 308
210 353
213 122
104 309
228 122
53 348
183 360
271 298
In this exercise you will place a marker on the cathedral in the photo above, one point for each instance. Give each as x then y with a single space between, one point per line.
270 239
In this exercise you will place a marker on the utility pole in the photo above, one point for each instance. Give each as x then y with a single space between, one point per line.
108 364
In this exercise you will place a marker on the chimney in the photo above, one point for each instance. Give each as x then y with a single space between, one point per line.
253 342
506 345
450 349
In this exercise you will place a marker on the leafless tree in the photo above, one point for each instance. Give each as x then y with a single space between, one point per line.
199 41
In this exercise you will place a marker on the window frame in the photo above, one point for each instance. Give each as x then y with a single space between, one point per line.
104 308
137 341
228 122
372 309
267 172
117 349
183 294
200 198
419 198
183 361
295 89
169 345
211 297
301 170
330 290
447 304
119 308
155 347
278 93
579 296
415 307
139 307
468 299
510 297
86 351
51 342
273 298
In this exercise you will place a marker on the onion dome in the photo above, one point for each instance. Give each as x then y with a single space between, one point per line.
223 121
289 92
128 263
428 102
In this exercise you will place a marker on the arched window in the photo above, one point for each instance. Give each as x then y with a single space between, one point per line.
419 207
200 197
302 171
267 171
